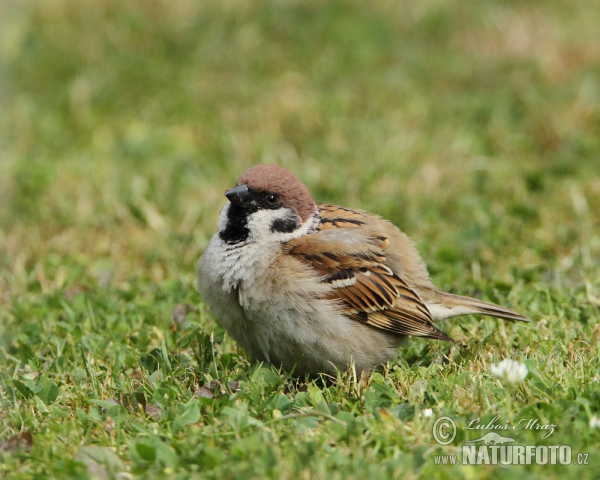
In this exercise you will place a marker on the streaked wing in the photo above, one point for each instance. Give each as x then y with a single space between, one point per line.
353 262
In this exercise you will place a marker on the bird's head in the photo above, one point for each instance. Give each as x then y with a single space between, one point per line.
269 203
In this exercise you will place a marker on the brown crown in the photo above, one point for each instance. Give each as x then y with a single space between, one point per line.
275 179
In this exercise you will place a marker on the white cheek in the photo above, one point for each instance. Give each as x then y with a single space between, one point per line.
260 224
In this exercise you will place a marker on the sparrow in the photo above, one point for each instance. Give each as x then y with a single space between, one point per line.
312 287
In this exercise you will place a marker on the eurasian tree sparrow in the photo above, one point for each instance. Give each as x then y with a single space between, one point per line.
313 287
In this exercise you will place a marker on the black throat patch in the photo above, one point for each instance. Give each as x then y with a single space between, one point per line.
236 230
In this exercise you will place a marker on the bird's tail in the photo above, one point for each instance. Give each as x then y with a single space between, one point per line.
447 305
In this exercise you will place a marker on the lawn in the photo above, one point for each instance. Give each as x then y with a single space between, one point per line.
473 126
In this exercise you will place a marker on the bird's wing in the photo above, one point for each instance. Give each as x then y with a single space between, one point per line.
352 261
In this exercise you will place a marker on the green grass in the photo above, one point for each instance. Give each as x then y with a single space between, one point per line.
475 127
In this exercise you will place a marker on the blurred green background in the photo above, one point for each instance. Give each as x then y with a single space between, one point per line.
476 128
473 126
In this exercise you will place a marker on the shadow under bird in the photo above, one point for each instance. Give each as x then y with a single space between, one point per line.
311 287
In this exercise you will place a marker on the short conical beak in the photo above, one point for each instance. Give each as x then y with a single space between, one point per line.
239 195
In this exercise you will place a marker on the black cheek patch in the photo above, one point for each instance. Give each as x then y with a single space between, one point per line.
285 225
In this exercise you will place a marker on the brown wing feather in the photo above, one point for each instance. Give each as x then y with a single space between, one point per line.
354 264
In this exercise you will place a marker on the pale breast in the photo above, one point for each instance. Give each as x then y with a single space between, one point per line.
279 311
295 324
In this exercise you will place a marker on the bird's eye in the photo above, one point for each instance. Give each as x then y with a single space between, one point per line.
272 198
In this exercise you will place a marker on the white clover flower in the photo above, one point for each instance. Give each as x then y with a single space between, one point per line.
510 371
427 413
594 422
